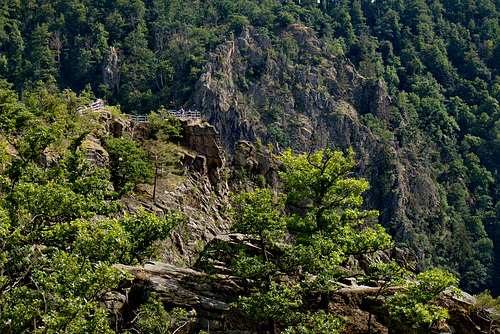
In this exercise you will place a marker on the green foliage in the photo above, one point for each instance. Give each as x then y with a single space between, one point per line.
485 301
238 22
258 213
274 113
153 319
318 184
162 152
377 126
63 295
414 305
390 273
126 239
128 162
278 303
43 198
277 132
317 323
145 228
164 127
57 238
66 262
326 232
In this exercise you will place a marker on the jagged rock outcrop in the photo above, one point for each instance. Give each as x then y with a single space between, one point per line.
298 94
195 198
95 153
47 159
111 69
204 139
199 192
256 160
311 92
207 299
372 98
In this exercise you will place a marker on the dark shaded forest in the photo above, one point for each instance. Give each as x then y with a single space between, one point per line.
439 60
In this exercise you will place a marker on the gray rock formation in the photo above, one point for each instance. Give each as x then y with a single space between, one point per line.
311 96
256 160
251 88
95 153
111 69
200 193
207 299
204 139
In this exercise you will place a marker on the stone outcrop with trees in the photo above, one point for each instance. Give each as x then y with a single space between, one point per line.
410 87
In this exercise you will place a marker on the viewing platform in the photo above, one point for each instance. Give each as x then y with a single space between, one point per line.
180 114
99 107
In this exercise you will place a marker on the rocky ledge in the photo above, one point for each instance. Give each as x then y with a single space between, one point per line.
207 298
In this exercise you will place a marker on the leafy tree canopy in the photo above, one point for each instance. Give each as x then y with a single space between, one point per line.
58 238
319 215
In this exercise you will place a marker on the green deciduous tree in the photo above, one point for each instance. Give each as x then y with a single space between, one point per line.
164 127
413 306
128 162
324 227
57 242
317 323
238 22
329 225
153 319
258 215
161 149
277 304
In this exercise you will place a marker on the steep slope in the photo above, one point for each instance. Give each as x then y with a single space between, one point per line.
292 92
207 297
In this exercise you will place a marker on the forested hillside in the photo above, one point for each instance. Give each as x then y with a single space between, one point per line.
438 61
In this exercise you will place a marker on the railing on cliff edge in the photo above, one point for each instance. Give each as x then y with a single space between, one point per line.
98 106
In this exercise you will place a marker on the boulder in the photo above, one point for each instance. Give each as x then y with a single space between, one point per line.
204 139
95 153
206 297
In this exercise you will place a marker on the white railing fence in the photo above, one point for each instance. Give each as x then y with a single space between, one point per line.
98 106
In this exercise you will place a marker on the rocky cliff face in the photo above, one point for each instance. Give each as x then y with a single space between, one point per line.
204 139
207 300
199 191
295 93
249 83
201 195
111 69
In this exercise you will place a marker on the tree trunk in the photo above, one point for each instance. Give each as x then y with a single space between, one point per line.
156 178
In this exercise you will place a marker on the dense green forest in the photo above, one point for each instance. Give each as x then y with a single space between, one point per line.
440 62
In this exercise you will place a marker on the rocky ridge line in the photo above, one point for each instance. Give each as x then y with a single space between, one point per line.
251 88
